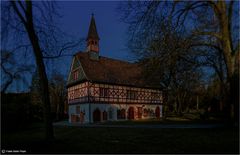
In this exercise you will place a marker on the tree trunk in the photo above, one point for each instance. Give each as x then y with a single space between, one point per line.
229 56
43 84
179 107
41 71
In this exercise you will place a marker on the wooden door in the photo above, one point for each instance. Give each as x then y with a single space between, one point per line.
157 112
131 113
96 115
139 112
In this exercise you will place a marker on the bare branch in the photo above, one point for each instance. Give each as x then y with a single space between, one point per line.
207 44
18 12
189 7
21 5
65 47
213 34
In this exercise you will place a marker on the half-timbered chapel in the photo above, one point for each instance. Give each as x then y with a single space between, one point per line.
106 89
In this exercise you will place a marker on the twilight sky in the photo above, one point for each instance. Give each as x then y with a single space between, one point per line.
75 20
112 32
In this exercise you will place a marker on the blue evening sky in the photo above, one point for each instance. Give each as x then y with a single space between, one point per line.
75 20
112 32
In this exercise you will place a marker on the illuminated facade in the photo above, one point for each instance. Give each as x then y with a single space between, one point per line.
102 89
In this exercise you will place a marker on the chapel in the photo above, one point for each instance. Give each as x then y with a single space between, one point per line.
105 89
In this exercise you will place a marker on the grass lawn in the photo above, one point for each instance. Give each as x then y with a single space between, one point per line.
125 140
169 120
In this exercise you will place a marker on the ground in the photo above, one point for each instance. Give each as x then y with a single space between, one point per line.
76 139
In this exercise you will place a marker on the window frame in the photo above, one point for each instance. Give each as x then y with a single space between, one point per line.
131 94
103 92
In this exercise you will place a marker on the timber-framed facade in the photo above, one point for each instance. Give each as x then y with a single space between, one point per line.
102 89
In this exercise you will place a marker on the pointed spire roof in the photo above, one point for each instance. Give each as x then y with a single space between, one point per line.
92 31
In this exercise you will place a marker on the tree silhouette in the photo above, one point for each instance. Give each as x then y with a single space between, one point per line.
32 25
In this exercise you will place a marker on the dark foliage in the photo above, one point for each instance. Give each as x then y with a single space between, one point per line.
18 112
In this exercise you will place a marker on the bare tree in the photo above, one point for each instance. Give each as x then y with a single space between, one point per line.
205 21
168 61
33 23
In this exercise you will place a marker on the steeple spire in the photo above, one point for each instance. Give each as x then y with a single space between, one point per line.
92 31
92 38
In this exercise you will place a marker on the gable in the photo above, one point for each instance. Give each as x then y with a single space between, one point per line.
76 72
107 70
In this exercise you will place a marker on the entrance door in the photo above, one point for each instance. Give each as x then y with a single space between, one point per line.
123 113
157 112
131 113
96 115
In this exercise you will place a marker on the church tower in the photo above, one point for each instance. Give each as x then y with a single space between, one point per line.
93 39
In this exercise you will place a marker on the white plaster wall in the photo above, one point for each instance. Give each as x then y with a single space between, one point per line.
88 117
115 107
83 108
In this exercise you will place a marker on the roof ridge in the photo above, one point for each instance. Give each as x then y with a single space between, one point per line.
104 57
117 59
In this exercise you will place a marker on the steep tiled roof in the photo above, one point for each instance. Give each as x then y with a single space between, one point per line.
107 70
